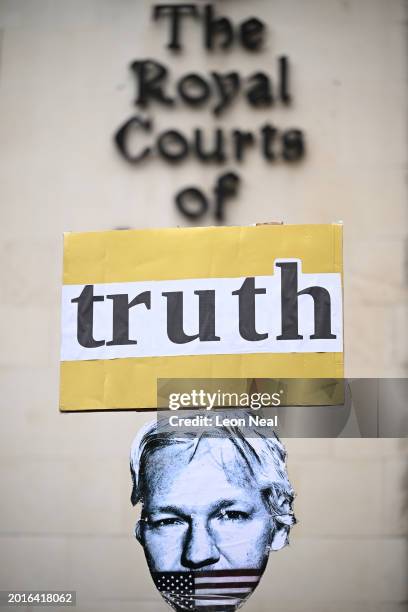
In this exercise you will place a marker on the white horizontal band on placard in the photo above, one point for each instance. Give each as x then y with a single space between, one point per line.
148 320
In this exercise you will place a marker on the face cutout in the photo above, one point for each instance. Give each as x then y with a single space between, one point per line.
206 527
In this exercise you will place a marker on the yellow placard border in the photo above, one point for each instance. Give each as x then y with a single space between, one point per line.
203 252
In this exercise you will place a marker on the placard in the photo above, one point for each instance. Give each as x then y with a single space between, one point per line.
226 302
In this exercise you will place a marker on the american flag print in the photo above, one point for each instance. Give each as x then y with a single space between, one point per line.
207 591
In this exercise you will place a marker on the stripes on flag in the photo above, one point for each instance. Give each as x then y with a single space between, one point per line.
207 591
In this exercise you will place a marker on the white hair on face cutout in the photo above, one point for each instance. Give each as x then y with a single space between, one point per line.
263 457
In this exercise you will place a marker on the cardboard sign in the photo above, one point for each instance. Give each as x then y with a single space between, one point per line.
222 302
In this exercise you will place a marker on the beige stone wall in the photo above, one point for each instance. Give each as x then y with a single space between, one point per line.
66 520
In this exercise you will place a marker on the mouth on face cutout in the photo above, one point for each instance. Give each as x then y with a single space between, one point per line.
207 591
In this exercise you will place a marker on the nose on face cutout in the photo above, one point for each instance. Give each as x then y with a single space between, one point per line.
207 591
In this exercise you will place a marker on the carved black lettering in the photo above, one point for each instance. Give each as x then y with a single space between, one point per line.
175 12
284 92
217 26
242 140
260 91
193 89
150 77
251 33
268 140
192 203
173 146
226 187
227 86
293 145
216 153
122 139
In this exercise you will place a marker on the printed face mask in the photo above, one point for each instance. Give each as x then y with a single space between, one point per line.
207 591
